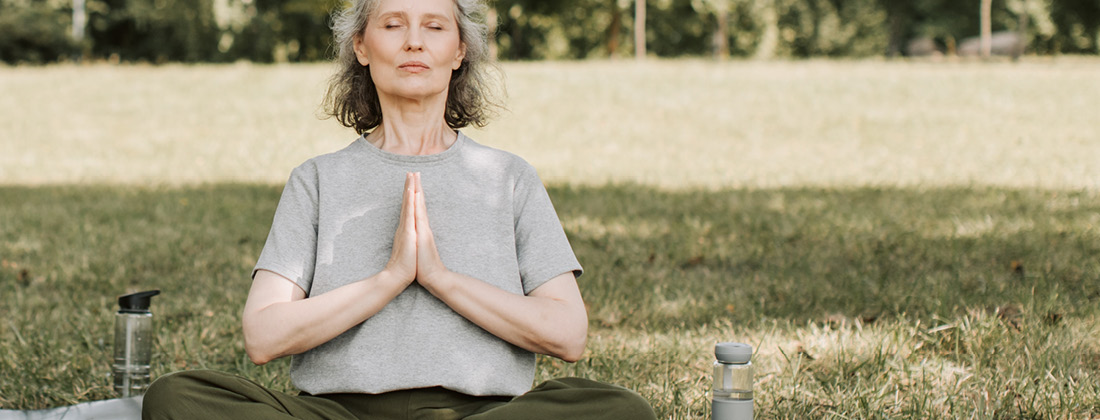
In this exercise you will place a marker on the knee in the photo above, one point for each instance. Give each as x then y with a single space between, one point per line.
613 400
628 404
166 395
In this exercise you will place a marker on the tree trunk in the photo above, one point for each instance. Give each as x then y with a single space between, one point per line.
769 40
721 36
80 19
614 29
987 27
639 29
1025 17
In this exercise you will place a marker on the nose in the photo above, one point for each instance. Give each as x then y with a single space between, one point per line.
413 41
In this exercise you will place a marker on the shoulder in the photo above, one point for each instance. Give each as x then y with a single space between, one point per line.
498 159
313 167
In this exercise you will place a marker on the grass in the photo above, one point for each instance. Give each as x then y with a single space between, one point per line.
896 240
863 302
694 123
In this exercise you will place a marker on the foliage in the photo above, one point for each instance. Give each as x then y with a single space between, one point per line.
297 30
34 33
292 30
1078 23
153 30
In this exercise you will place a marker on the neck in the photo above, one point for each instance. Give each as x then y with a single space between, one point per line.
413 127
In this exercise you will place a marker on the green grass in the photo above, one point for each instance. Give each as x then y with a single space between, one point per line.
861 302
896 239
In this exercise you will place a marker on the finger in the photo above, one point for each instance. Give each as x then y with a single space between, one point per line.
421 204
408 187
408 206
408 216
421 212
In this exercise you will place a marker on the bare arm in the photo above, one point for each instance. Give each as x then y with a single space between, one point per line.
549 320
279 320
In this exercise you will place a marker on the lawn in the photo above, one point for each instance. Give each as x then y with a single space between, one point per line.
895 239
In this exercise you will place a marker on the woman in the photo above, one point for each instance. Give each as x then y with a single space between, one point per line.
415 273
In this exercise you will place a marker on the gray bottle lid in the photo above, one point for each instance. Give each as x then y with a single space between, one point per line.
735 353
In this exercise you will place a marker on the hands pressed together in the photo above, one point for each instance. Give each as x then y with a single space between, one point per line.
415 256
279 319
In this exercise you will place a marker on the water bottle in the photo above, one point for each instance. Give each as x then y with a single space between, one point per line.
133 344
731 397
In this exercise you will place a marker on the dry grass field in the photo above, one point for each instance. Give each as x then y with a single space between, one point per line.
665 123
902 240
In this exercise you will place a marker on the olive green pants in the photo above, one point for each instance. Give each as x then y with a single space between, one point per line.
217 395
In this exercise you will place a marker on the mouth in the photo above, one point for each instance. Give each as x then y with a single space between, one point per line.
413 66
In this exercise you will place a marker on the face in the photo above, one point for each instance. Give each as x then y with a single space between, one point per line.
412 46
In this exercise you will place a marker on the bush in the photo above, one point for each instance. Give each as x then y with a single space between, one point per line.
34 34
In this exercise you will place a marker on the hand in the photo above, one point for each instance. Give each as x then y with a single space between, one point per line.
402 262
428 264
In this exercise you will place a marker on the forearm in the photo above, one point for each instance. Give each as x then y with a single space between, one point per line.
553 326
286 328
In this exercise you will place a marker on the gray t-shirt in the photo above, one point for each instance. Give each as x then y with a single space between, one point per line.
492 220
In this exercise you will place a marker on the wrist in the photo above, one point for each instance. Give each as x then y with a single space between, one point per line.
436 281
388 275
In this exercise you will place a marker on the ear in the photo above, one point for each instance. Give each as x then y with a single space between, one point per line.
360 47
459 56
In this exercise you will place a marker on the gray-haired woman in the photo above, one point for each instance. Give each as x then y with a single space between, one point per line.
415 273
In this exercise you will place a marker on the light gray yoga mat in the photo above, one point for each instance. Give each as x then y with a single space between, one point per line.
118 409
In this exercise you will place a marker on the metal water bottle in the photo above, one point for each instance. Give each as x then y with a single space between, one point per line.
133 344
731 397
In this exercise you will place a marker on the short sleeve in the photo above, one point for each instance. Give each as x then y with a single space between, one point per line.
542 249
291 247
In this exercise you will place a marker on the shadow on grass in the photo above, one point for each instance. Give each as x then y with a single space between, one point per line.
653 257
655 260
669 259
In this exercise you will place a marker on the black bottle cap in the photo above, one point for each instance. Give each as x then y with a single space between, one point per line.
136 303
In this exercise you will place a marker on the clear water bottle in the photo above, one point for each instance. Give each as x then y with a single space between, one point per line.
731 397
133 344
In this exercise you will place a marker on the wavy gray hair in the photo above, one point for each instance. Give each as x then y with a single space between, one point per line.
472 95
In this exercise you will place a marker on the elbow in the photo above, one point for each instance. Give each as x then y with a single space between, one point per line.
257 357
572 355
569 346
258 351
570 349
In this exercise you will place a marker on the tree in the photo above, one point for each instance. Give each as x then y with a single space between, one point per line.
153 30
769 40
720 10
614 28
639 29
34 34
987 27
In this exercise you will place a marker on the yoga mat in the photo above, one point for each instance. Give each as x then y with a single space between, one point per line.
117 409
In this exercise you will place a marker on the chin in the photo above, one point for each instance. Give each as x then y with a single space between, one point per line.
418 92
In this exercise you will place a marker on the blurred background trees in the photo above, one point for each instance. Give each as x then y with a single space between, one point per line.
38 31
